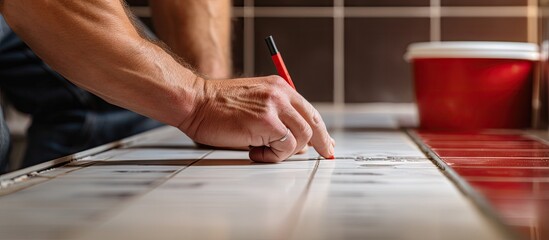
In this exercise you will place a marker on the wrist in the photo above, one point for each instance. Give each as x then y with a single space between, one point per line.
197 99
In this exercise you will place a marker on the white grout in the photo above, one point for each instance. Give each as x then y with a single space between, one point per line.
502 11
249 39
304 12
339 60
339 52
435 29
387 11
478 11
533 18
294 11
533 31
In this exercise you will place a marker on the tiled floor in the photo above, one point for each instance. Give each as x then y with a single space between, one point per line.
509 170
381 186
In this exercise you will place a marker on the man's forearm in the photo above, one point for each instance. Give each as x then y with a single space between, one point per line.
198 31
94 44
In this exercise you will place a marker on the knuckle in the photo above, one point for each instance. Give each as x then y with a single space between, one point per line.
316 119
313 116
279 83
277 97
275 80
271 96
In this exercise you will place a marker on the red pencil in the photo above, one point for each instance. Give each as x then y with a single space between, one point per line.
278 62
280 66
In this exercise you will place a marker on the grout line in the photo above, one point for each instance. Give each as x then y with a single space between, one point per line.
339 53
435 28
394 12
493 11
294 217
293 11
502 11
532 32
117 208
387 11
248 38
532 21
185 167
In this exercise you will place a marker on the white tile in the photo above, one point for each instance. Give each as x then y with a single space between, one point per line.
151 154
210 163
167 137
127 171
190 222
244 173
79 192
160 186
227 154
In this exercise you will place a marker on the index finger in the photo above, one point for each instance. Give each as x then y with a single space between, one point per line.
321 140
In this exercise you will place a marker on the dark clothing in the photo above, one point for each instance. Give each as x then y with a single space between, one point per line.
4 142
65 118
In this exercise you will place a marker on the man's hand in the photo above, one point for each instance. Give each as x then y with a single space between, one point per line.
95 45
257 112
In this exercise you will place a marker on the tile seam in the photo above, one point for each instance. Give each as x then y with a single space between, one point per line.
383 12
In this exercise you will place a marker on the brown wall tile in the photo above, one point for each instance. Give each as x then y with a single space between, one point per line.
295 3
238 2
484 29
307 47
484 2
387 3
375 70
237 44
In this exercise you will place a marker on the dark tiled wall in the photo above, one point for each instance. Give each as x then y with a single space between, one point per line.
293 3
306 45
387 3
375 70
484 2
543 111
484 29
368 36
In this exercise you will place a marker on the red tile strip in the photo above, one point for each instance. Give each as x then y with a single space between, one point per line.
509 169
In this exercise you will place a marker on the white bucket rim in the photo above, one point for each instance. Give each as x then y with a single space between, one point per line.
488 50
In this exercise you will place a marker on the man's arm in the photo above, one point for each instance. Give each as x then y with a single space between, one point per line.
94 45
198 31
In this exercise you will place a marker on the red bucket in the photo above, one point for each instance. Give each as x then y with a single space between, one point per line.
473 85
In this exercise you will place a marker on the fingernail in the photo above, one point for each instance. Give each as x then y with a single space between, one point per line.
331 157
332 152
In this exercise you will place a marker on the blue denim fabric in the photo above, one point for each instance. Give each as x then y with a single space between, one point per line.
4 132
65 118
4 142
